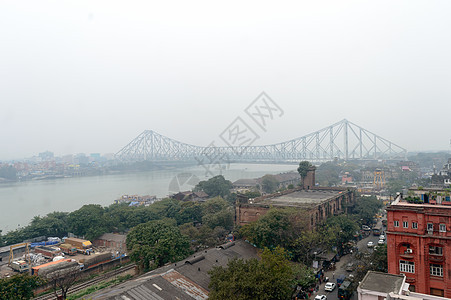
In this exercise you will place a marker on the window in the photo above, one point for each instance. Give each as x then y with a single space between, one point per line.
405 224
396 223
406 266
414 225
436 270
442 228
435 250
430 227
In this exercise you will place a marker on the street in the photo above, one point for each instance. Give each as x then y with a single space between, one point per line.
341 268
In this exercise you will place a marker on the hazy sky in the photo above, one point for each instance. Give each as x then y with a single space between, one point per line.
89 76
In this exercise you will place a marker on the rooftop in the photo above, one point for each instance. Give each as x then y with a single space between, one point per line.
298 198
187 279
382 282
120 238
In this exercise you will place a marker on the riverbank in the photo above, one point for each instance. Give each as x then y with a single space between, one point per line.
21 201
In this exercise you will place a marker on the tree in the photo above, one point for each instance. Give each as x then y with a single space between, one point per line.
304 276
88 221
270 278
278 227
342 229
366 207
62 280
269 183
155 243
215 186
376 261
223 218
8 172
304 167
19 286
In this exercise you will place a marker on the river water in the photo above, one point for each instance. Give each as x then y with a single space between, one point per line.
21 201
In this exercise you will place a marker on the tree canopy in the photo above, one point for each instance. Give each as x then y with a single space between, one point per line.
366 207
19 286
278 227
270 278
155 243
303 168
215 186
269 183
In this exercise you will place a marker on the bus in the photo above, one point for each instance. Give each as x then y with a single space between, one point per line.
377 229
345 290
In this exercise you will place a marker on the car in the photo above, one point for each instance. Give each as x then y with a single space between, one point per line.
366 227
370 244
350 267
330 286
381 242
320 297
382 237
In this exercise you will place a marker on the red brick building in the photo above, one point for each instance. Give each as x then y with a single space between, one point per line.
419 241
318 202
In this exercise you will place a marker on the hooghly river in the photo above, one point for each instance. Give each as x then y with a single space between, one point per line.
21 201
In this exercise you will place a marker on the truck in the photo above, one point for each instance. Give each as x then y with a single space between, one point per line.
68 249
43 269
20 266
345 290
48 251
82 246
96 259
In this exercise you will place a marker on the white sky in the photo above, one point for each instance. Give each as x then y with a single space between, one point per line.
89 76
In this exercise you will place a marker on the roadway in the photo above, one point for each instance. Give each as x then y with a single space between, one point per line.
341 268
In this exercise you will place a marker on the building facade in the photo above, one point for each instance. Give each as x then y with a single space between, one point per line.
419 241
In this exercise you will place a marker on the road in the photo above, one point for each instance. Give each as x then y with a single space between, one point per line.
341 265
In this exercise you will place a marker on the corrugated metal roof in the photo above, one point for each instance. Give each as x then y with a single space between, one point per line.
188 286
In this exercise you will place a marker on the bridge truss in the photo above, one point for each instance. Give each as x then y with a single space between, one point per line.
342 140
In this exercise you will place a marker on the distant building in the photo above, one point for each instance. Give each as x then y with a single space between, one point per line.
419 240
47 155
443 177
136 200
113 241
200 196
346 178
245 184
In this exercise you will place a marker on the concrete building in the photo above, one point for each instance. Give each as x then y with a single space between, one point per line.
318 202
115 242
380 286
419 240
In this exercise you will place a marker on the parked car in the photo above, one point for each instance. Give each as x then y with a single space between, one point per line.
370 244
381 242
330 286
320 297
382 237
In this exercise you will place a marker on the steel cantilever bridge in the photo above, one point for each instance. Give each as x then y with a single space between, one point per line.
342 140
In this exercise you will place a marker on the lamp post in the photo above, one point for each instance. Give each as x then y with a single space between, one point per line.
316 267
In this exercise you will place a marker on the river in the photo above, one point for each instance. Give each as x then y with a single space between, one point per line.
21 201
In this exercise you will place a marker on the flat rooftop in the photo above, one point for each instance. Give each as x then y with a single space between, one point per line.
382 282
300 198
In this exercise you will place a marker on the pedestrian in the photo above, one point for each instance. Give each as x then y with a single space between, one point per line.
333 275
